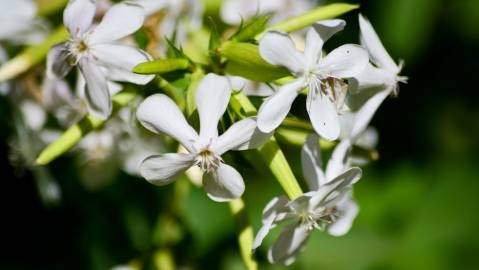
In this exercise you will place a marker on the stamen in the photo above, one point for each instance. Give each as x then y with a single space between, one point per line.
207 160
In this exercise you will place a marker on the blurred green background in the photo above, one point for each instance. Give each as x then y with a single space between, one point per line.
419 207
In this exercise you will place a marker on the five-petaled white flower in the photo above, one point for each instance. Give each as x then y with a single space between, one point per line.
328 206
321 75
385 72
96 51
159 113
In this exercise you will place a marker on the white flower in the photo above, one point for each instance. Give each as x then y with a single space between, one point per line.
158 113
328 206
321 75
385 72
96 51
354 123
234 11
18 23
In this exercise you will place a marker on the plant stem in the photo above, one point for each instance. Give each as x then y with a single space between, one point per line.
270 152
245 233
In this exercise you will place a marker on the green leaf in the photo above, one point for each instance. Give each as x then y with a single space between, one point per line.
307 19
76 132
244 60
173 51
248 31
215 39
162 66
31 56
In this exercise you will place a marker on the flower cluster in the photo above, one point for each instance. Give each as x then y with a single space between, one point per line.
232 94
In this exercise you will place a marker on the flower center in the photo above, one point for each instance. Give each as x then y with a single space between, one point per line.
320 218
77 48
207 160
320 84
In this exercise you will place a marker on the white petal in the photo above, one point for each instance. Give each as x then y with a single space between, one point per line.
56 93
257 89
78 16
313 47
152 6
311 162
345 61
120 21
58 61
96 92
302 203
335 189
120 61
275 108
276 205
338 160
368 139
163 169
23 31
269 216
158 113
328 28
372 43
212 98
18 9
224 184
323 116
237 83
277 48
242 135
289 243
366 112
234 11
348 209
371 77
33 115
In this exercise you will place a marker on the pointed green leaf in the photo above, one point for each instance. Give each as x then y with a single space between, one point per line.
248 31
215 39
173 51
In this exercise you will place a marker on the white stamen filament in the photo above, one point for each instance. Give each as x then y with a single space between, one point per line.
320 218
207 160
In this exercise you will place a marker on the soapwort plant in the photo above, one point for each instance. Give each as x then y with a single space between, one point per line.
216 86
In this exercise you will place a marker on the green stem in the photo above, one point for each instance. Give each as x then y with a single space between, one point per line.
270 152
76 132
246 234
